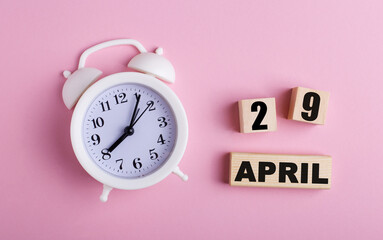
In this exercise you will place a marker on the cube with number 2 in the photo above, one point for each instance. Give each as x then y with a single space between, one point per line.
308 105
257 115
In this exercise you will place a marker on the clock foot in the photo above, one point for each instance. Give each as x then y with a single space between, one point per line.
105 193
179 173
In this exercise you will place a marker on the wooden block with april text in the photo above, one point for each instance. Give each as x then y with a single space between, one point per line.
277 170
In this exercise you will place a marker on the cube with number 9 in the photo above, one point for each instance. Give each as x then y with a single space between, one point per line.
308 105
257 115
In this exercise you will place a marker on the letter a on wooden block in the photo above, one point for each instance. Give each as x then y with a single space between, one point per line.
308 105
257 115
276 170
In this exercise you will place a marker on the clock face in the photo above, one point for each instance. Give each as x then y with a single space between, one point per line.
129 130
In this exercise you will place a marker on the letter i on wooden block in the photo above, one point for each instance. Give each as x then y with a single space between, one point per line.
308 105
277 170
257 115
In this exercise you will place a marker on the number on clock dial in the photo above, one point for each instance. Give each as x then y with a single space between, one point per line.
136 163
98 122
153 154
120 160
96 139
152 141
162 121
150 105
105 106
106 155
161 140
120 98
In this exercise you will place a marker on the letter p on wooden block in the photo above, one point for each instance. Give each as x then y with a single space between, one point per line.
276 170
308 105
257 115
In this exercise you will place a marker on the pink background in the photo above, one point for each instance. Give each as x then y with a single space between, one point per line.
223 51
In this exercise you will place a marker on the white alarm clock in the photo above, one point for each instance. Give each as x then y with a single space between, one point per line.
129 130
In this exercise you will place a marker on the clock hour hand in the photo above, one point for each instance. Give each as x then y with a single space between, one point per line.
128 131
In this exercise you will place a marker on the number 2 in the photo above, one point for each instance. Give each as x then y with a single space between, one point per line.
262 113
150 106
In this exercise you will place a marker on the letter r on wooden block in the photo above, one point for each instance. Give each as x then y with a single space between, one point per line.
276 170
308 105
257 115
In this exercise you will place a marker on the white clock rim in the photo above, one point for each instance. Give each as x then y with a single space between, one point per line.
90 165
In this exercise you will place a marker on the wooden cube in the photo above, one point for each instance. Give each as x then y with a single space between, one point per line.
257 115
277 170
308 105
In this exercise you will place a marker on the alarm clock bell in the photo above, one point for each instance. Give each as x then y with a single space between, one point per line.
146 62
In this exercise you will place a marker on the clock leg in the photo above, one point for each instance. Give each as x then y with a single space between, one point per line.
179 173
105 193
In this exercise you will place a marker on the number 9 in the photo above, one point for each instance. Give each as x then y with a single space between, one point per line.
311 102
96 139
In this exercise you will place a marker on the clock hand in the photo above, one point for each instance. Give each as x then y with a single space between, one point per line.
128 131
135 116
135 111
136 120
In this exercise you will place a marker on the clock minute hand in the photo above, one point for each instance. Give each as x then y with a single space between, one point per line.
135 112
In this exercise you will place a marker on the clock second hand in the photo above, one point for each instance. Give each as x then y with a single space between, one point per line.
136 120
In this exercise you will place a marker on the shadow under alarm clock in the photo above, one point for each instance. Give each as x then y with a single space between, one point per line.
129 130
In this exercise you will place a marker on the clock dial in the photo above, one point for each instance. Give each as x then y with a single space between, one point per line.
129 130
